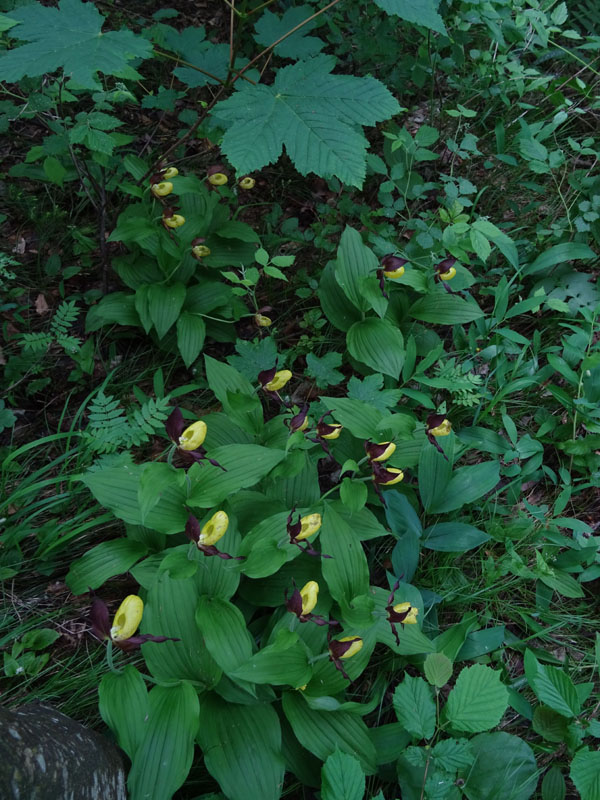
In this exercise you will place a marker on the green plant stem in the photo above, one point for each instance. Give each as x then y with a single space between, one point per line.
109 658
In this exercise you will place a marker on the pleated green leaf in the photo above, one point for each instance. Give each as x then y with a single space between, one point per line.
442 308
170 611
283 663
224 631
324 732
355 262
102 562
378 344
123 702
346 572
360 419
191 330
163 759
116 488
164 305
337 307
242 748
245 465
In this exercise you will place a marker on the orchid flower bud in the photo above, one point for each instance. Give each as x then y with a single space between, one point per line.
381 451
262 321
387 476
161 189
438 428
218 179
407 613
127 619
278 381
346 647
446 269
309 594
172 220
393 266
193 436
329 431
199 251
214 529
308 526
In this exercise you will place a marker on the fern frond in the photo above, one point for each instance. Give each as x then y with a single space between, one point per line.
111 427
36 342
65 316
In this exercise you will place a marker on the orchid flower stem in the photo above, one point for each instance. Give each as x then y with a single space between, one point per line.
109 658
171 455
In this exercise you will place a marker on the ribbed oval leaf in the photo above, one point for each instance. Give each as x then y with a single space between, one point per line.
442 308
102 562
467 485
224 631
164 757
242 748
360 419
283 663
170 611
346 572
324 732
378 344
191 330
164 305
453 537
355 261
244 465
337 307
477 701
123 702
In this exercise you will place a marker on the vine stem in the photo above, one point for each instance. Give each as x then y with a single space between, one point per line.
281 38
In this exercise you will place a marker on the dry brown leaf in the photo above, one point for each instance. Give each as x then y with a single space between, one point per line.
41 306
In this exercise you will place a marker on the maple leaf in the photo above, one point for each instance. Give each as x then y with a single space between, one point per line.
314 114
69 37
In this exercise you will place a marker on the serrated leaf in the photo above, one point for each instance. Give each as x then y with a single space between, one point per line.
477 701
414 707
419 12
311 112
552 686
342 778
70 37
270 27
585 773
